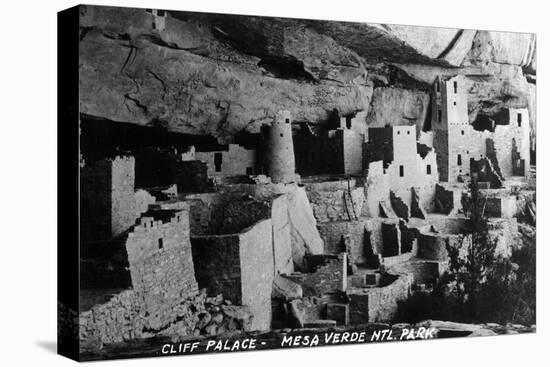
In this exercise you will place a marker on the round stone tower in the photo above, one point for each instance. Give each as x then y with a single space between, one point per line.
280 151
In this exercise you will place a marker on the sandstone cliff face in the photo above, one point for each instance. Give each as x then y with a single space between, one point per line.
219 75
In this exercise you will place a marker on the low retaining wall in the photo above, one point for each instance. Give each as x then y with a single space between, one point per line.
378 304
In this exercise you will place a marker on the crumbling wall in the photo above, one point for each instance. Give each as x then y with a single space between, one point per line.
420 272
239 214
218 265
433 246
117 320
377 189
447 201
333 232
448 224
400 208
394 165
304 311
327 274
240 266
486 173
366 235
122 319
161 264
337 152
234 161
391 236
157 168
500 206
189 176
378 304
511 143
336 200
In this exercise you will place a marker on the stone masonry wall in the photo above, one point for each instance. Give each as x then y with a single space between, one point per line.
378 304
234 161
336 201
240 266
123 207
327 277
108 205
218 265
161 265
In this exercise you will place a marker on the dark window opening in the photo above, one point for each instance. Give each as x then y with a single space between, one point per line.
281 135
454 103
439 115
161 13
462 132
249 171
149 10
459 160
348 122
287 121
437 87
218 161
455 86
161 245
519 119
398 132
154 25
408 133
429 169
401 171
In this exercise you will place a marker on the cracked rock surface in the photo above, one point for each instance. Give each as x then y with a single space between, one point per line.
218 75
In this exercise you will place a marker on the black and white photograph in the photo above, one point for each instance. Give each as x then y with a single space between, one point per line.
251 182
320 184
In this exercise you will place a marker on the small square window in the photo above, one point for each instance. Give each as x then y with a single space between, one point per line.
398 132
287 121
454 103
281 135
462 132
408 133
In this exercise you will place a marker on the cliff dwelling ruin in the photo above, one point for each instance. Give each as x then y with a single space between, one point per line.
292 219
